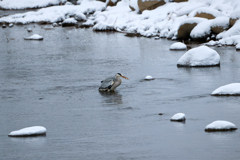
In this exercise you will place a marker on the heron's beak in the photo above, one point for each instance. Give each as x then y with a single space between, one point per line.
125 77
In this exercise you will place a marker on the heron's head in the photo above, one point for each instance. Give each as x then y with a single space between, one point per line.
120 75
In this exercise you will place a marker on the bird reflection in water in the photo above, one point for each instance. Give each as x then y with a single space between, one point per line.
113 98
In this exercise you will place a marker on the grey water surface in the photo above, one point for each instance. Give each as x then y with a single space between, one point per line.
54 83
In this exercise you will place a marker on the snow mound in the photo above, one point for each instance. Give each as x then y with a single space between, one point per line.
29 131
220 126
149 78
19 4
178 46
222 21
202 56
178 117
227 90
34 37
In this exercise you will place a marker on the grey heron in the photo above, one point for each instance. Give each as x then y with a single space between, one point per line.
111 83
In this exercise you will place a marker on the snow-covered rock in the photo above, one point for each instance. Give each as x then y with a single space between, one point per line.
178 117
220 125
202 30
202 56
149 78
232 89
69 22
133 4
205 12
34 37
234 30
220 24
24 4
10 25
238 46
29 131
235 15
187 26
178 46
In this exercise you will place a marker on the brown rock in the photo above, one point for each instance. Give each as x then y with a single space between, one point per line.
112 3
232 21
185 30
180 1
205 15
150 4
217 29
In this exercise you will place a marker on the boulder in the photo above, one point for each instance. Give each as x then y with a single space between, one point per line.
205 12
232 89
186 27
69 22
149 4
179 117
220 125
112 2
220 24
235 15
202 56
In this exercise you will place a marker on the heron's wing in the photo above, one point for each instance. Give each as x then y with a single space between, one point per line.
107 83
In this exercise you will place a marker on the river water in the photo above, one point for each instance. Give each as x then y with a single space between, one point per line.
54 83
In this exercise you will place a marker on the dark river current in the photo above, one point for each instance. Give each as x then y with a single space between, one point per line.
54 83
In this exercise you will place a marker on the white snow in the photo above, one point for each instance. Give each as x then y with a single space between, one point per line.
149 78
178 46
29 131
200 56
178 117
23 4
220 125
34 37
229 89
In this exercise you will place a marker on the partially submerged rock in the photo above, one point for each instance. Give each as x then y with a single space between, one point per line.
34 37
29 131
149 78
202 56
232 89
178 46
69 22
179 117
149 4
220 126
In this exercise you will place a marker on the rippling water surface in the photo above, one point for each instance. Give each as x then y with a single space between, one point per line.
54 83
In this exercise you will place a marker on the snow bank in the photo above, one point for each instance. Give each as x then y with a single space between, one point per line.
149 78
227 90
178 46
220 126
24 4
202 56
29 131
34 37
178 117
55 13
